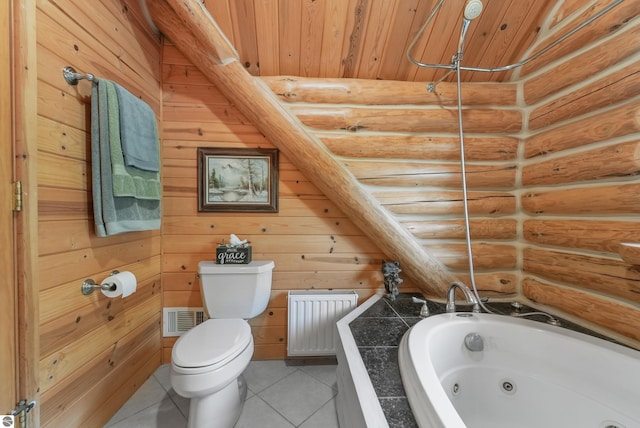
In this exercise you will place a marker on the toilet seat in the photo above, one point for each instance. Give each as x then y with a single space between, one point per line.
210 345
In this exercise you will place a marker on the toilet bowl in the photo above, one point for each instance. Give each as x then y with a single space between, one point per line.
207 361
206 366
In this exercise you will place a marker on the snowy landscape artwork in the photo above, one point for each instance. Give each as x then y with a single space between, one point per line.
239 180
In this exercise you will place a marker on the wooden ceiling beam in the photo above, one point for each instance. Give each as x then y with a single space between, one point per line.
192 30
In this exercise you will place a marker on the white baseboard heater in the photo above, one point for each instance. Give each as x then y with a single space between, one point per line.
312 320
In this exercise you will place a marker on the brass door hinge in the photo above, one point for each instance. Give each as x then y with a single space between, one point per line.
17 196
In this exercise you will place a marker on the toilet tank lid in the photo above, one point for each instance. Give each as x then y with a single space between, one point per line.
255 266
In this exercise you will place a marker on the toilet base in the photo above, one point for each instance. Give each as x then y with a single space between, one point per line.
219 410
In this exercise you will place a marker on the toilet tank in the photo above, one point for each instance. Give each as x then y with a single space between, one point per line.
235 291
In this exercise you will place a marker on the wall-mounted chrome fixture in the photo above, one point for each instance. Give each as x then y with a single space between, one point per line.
472 10
72 77
89 285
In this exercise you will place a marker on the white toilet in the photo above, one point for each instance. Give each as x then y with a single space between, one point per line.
207 361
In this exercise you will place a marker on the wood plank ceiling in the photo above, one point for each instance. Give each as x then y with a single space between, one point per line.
369 38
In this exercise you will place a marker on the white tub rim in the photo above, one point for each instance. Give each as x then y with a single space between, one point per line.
424 405
368 399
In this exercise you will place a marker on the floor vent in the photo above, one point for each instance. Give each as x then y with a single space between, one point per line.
176 321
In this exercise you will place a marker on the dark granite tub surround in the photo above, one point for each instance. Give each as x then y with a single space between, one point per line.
377 333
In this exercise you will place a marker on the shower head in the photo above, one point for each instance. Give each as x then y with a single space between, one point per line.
472 9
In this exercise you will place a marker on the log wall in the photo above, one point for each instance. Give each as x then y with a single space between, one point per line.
401 142
94 352
579 178
313 243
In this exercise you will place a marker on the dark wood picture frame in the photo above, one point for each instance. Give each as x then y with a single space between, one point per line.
237 180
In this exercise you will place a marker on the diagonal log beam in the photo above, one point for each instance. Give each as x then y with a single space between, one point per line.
193 31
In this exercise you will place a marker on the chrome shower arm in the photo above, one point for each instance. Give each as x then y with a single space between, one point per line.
505 67
548 47
410 57
463 33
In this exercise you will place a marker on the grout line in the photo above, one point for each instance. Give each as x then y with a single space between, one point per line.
333 391
275 410
178 407
271 384
313 413
318 379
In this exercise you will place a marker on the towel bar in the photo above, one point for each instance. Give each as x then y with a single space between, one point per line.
72 78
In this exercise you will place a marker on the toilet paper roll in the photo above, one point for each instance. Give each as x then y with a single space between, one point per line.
125 284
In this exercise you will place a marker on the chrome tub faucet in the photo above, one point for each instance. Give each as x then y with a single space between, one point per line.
468 294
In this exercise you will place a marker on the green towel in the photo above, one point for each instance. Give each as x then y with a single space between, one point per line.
127 180
113 214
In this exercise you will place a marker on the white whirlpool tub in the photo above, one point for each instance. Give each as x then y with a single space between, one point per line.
528 374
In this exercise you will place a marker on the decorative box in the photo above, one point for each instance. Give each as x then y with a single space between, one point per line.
233 255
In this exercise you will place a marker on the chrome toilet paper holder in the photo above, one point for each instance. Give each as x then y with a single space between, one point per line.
89 285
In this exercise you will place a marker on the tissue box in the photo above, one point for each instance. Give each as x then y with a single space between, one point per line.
228 255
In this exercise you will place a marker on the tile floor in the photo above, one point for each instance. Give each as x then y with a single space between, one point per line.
279 396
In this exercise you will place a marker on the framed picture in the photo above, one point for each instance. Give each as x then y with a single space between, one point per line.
237 180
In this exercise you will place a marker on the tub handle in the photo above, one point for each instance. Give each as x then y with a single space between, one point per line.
424 310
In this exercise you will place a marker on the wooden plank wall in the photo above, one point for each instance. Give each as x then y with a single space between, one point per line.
313 244
95 352
579 179
8 293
